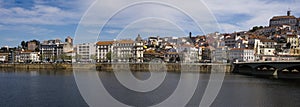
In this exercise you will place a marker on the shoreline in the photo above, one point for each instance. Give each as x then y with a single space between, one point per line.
137 67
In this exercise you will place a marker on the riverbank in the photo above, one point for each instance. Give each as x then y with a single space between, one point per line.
170 67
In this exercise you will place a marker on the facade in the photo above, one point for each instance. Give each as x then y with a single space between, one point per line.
293 40
189 53
241 55
28 57
229 40
138 51
284 20
103 48
53 50
221 54
32 45
123 51
87 52
4 57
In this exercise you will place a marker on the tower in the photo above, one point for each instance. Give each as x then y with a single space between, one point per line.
138 49
289 12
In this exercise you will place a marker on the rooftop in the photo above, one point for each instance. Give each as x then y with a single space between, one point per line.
105 43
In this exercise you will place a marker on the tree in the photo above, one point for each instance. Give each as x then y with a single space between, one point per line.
108 56
77 57
23 44
256 28
94 57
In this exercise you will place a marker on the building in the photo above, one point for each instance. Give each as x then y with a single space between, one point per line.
230 40
221 54
285 20
138 51
123 51
28 57
51 50
189 53
293 40
241 55
4 57
33 45
104 48
87 52
7 55
54 50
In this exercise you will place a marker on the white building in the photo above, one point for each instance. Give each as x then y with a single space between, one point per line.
138 49
103 48
221 54
87 52
189 53
123 51
293 40
28 57
241 55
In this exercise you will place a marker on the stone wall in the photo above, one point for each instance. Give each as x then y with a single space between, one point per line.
170 67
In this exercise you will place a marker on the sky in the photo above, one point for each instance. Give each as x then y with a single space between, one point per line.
116 19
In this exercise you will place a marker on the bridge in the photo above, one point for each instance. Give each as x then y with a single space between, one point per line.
279 69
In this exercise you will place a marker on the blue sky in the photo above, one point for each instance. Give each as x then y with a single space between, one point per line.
51 19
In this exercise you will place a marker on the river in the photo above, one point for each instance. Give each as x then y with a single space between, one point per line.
58 88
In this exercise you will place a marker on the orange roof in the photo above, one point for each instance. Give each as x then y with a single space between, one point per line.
291 35
105 43
266 40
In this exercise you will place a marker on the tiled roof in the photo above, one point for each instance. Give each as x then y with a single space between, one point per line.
105 42
291 35
283 17
266 40
125 41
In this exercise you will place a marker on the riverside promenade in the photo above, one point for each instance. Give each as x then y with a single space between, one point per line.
144 67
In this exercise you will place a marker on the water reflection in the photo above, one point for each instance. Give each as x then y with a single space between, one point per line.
37 72
58 88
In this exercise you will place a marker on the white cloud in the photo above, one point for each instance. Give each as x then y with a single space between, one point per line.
39 14
177 12
45 13
257 12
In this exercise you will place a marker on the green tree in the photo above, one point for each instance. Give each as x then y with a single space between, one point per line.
23 44
256 28
108 55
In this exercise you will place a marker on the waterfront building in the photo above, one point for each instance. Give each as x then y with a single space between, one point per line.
87 52
7 54
241 55
27 57
138 51
4 57
53 50
189 53
220 54
104 48
123 51
50 50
